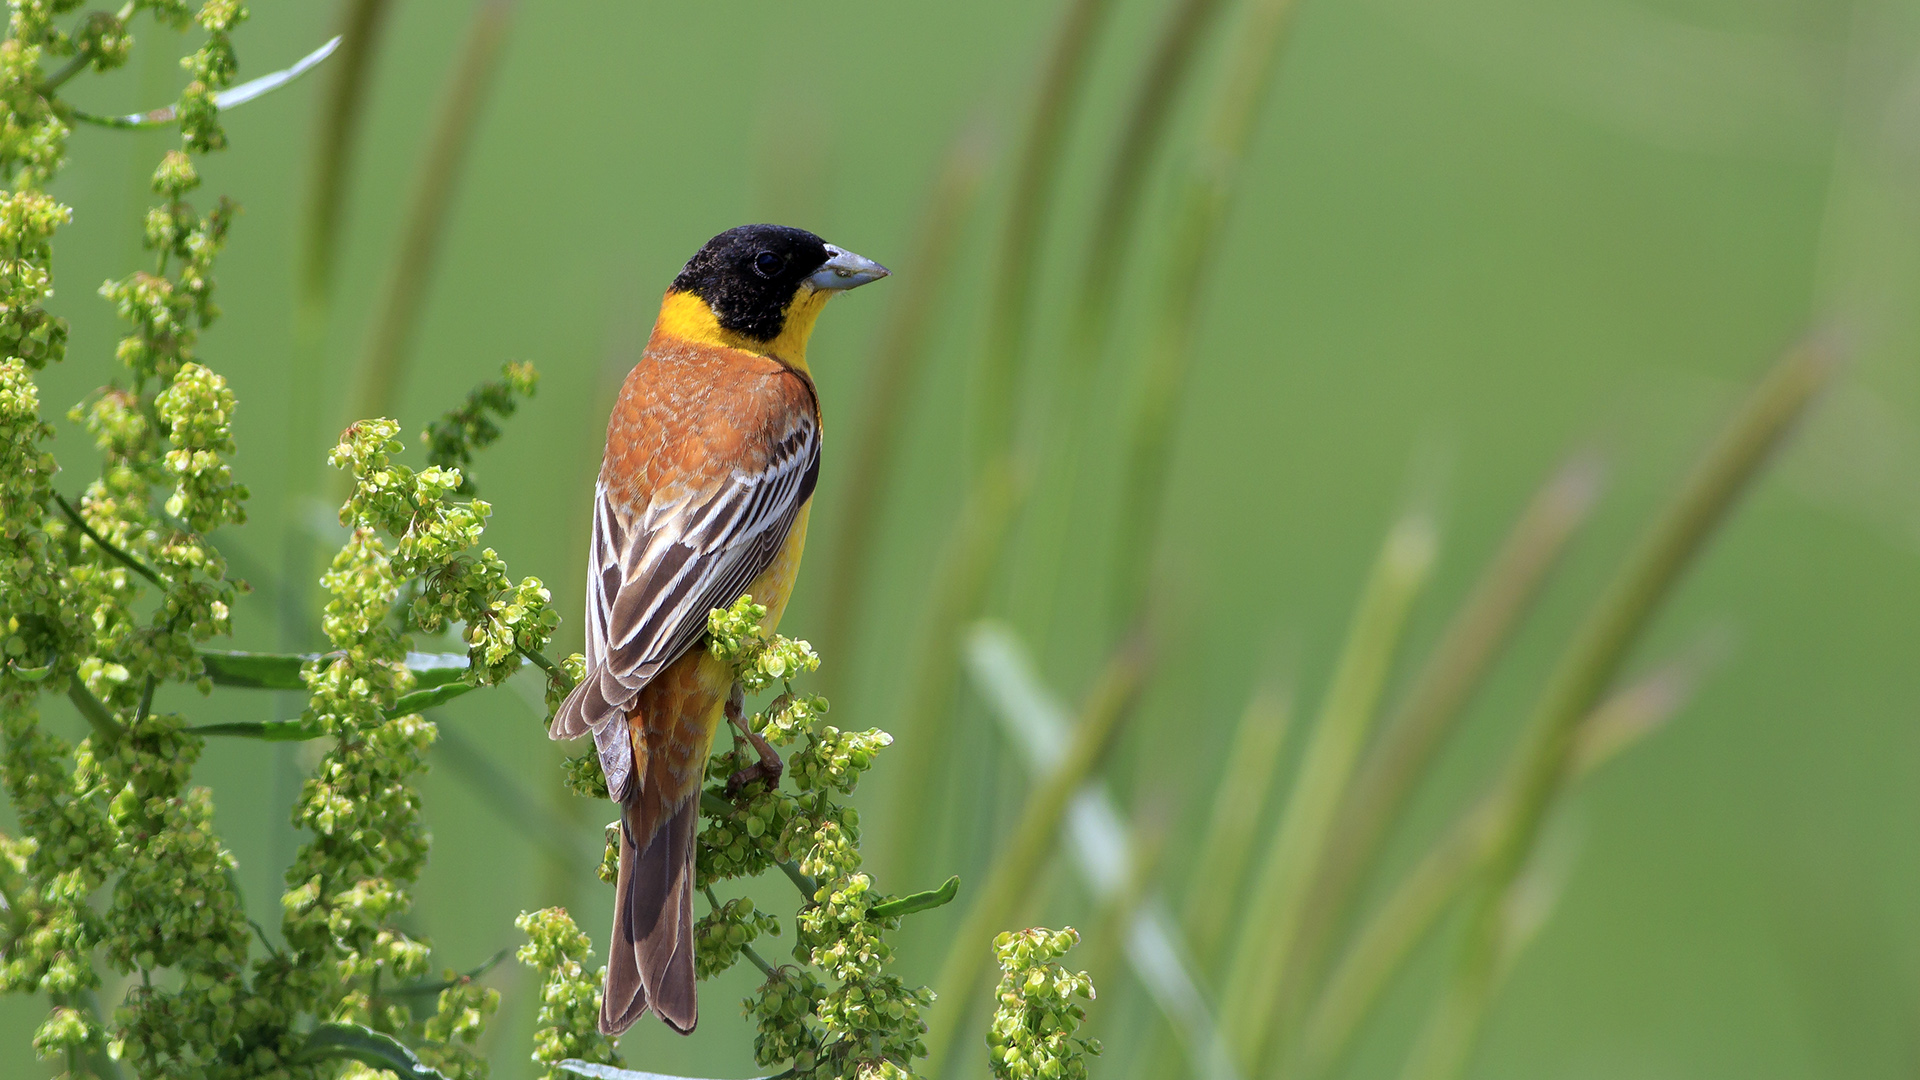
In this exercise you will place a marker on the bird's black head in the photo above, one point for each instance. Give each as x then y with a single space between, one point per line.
751 275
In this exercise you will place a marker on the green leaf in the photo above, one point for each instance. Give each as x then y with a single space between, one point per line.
351 1042
920 901
226 99
422 700
608 1072
302 730
281 671
264 730
258 671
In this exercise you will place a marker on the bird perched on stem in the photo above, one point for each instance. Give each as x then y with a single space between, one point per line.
712 453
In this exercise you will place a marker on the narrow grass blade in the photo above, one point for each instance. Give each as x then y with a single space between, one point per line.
1201 203
897 362
1018 262
959 586
1384 942
1110 243
378 375
1414 730
1219 871
1037 723
960 985
226 99
998 482
1261 949
1543 761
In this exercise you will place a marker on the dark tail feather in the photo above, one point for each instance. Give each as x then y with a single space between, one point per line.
651 965
625 997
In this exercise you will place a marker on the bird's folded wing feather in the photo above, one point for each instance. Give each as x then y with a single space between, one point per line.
654 572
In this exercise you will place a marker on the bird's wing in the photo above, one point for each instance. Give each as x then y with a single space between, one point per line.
654 572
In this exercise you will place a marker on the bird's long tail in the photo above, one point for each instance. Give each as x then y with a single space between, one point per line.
650 961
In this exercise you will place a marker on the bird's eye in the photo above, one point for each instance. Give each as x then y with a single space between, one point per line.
768 263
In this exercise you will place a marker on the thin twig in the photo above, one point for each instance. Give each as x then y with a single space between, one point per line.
554 671
745 950
105 545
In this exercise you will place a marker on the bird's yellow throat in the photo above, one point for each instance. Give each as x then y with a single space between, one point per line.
686 316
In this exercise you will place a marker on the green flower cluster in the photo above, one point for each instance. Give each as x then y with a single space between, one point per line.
452 1034
1035 1026
452 440
858 1020
569 995
354 878
726 932
118 807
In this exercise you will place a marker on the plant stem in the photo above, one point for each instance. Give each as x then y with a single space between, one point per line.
99 717
999 478
127 560
554 671
960 582
1383 943
1542 763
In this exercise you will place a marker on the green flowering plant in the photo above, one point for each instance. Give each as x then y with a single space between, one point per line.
110 596
1039 1012
836 1011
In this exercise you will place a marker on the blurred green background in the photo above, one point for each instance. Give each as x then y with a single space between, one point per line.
1470 238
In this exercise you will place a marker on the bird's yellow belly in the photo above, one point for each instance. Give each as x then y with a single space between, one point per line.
775 584
677 715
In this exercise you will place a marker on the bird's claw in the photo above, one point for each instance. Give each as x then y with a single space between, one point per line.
769 767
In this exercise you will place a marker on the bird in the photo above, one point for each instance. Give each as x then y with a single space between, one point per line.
712 454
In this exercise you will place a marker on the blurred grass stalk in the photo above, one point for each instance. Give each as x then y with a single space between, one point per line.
377 376
1543 765
1387 938
1198 221
1272 912
1009 884
1441 689
1110 244
896 368
998 483
1220 869
1111 862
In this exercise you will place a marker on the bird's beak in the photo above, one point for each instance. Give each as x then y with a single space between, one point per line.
845 270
